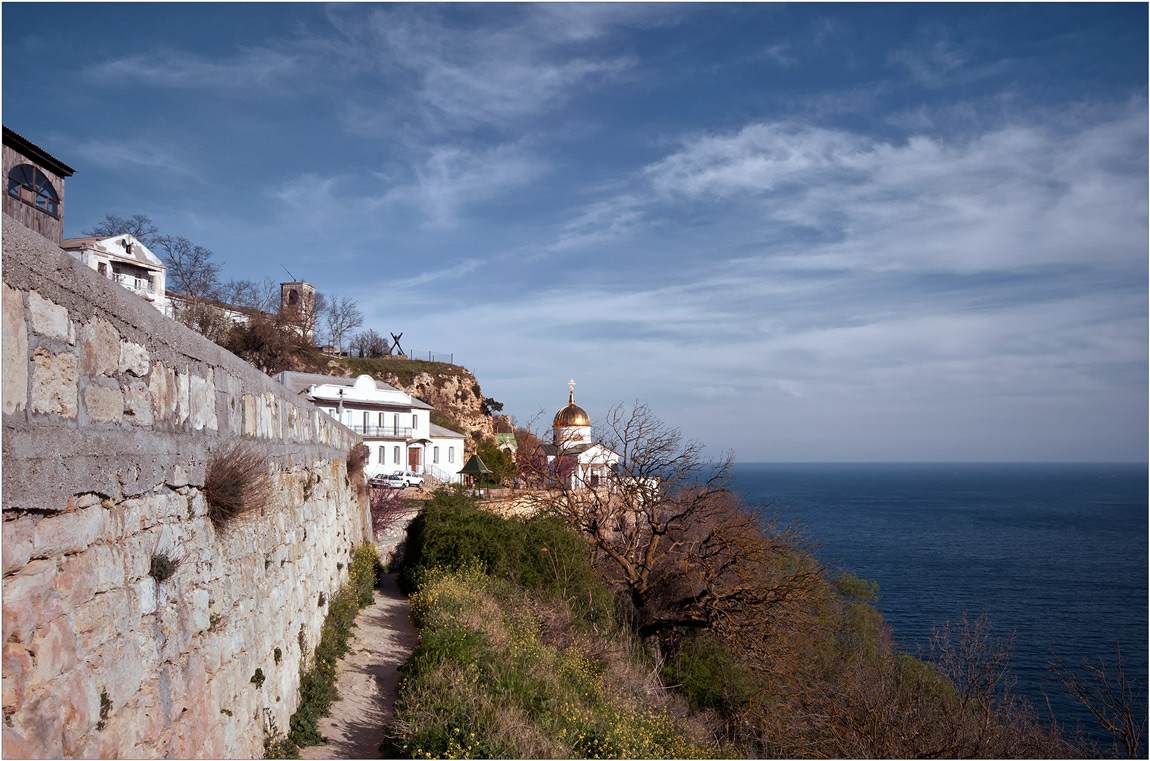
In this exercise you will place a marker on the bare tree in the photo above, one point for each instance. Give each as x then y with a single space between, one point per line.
685 550
190 267
368 343
138 225
1117 703
343 316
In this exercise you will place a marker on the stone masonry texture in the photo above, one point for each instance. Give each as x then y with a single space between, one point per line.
112 416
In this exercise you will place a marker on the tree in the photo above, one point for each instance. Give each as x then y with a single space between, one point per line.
191 270
263 295
682 547
1117 703
490 406
137 225
368 343
343 316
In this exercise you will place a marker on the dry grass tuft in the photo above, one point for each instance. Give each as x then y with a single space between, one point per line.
237 482
356 460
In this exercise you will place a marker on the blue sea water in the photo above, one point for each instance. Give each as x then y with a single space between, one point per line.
1055 554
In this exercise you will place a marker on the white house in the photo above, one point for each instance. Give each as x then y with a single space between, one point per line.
395 426
126 261
572 455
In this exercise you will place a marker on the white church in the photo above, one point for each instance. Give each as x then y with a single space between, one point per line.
572 455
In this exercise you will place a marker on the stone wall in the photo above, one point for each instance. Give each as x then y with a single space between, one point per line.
112 415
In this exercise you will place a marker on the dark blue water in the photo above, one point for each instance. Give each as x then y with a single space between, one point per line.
1055 553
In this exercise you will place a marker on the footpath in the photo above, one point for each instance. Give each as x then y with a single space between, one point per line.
367 677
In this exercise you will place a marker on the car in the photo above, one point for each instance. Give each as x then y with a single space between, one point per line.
410 478
389 480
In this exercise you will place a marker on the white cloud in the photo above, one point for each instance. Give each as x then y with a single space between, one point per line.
451 178
250 67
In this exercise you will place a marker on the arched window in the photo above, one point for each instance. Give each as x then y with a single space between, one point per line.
29 184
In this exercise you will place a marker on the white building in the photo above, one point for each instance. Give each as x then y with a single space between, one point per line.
572 455
126 261
395 426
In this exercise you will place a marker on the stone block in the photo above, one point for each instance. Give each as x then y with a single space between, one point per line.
183 394
18 665
200 616
202 402
99 349
55 383
145 595
104 403
249 415
30 599
34 731
14 343
69 532
134 359
109 567
80 705
138 403
54 648
17 537
162 386
49 319
76 578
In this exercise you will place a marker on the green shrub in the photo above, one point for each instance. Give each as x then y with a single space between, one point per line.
539 554
709 675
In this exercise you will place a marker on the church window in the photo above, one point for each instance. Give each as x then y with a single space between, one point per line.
451 454
414 421
31 186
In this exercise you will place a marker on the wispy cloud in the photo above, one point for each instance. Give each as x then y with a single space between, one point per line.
140 153
182 70
451 177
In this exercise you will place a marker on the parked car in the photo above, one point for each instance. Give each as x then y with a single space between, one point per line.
390 480
411 478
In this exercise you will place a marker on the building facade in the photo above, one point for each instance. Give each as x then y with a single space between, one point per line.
126 261
35 194
395 426
573 459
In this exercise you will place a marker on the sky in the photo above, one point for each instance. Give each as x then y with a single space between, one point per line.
806 232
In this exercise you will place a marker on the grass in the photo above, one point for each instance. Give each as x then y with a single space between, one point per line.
404 370
236 482
318 677
487 681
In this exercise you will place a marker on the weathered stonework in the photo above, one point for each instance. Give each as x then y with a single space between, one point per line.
108 434
55 379
15 346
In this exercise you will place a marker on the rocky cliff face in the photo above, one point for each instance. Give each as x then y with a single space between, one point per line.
454 394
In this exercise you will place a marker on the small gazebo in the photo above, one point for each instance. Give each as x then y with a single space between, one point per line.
473 470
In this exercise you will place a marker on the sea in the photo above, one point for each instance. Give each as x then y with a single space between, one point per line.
1054 554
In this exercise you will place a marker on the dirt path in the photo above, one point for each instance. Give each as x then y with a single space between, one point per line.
368 675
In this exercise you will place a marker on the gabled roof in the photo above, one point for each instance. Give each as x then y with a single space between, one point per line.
440 432
37 154
110 245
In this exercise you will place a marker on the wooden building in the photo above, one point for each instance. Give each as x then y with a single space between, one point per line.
35 196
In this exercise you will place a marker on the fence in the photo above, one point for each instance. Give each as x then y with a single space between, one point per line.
432 356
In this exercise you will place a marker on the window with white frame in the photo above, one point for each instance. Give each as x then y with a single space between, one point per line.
414 421
451 454
397 455
380 456
435 455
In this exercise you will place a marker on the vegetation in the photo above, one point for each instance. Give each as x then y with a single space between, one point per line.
512 661
500 462
404 370
317 680
728 624
236 481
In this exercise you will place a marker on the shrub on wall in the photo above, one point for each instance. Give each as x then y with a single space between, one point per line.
236 481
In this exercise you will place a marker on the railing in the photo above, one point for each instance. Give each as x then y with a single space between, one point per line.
382 431
137 284
443 475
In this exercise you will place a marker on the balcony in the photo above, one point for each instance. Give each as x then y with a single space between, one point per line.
382 431
140 285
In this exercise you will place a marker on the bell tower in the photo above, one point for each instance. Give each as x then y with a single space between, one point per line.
297 304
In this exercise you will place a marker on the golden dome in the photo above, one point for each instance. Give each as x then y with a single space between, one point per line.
572 414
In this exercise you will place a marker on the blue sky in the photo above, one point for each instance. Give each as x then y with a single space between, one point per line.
802 232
